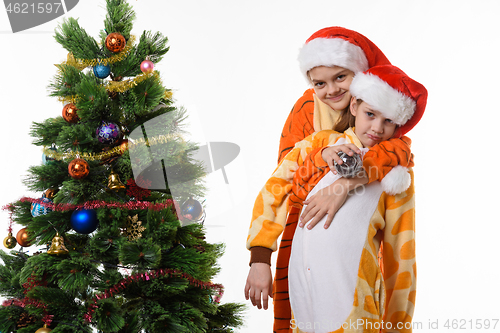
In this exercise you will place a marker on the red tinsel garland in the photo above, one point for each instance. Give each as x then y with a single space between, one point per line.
122 285
10 208
47 319
131 205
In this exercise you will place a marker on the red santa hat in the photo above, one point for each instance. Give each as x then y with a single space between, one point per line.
337 46
393 93
398 97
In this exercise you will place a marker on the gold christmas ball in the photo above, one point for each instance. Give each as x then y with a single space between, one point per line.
115 42
51 192
78 168
22 237
44 329
69 113
10 241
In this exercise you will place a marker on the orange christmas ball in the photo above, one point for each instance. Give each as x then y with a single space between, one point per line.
115 42
69 113
78 168
22 237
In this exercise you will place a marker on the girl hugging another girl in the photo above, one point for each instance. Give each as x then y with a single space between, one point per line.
335 282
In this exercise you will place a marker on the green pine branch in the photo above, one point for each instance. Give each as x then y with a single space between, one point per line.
76 40
119 18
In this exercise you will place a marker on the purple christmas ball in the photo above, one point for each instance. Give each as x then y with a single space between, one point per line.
108 133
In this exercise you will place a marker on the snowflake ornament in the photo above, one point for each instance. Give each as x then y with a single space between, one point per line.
133 229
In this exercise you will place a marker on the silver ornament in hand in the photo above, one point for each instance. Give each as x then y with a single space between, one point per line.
351 165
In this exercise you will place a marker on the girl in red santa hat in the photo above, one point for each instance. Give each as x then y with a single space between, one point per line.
329 59
322 292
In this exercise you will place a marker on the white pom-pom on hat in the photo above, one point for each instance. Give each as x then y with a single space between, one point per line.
396 181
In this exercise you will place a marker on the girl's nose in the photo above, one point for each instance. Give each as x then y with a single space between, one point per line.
333 89
378 126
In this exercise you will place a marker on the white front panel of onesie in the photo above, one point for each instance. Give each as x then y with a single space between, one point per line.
324 263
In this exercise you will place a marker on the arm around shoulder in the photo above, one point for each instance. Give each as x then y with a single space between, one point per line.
388 162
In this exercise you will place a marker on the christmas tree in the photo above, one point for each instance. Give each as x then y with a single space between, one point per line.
119 214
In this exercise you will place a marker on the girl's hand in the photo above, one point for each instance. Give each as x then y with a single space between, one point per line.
259 285
327 201
331 153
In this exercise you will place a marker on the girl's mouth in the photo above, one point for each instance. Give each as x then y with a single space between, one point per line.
337 98
373 137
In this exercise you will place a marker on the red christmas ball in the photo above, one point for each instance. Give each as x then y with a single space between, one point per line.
22 238
69 113
115 42
78 168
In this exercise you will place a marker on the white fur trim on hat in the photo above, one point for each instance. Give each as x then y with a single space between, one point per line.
332 52
380 95
396 181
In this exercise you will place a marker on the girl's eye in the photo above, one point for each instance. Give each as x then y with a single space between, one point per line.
341 77
389 121
319 84
370 114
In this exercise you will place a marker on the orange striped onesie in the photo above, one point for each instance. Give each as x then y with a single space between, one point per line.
365 300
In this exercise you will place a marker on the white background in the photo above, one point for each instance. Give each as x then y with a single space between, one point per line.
232 64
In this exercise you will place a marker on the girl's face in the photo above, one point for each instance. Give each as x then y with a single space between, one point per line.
371 127
331 85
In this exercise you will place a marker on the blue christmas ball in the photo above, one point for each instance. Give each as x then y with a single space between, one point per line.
84 221
192 207
38 209
108 132
102 71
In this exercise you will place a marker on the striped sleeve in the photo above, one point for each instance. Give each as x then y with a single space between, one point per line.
299 123
381 158
271 206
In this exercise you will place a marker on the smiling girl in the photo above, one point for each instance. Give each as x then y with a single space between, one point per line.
331 85
329 59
